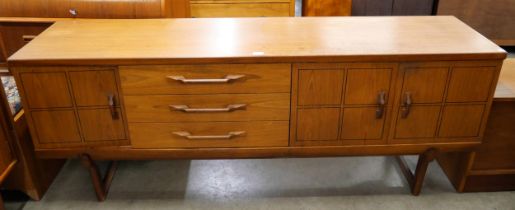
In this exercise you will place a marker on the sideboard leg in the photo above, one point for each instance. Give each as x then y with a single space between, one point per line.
417 180
100 184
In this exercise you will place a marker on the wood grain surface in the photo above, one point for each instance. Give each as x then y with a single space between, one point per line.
255 40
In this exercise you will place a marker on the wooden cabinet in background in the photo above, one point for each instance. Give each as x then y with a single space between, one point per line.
14 35
493 18
242 8
326 7
94 9
392 7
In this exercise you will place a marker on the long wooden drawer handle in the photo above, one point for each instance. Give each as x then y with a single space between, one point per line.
28 38
229 108
226 79
230 135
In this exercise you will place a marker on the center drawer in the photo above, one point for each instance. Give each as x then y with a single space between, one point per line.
215 107
205 79
209 134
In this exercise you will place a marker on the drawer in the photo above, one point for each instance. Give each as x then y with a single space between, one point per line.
240 9
205 79
217 107
209 134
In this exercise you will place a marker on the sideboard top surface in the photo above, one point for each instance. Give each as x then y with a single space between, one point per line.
257 40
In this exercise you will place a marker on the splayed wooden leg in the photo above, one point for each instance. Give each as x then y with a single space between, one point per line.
417 180
101 185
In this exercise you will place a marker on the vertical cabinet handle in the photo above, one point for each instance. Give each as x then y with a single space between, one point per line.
406 105
112 106
381 101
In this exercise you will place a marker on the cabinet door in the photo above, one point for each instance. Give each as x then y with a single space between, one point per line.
461 120
101 125
58 126
421 122
365 85
94 88
318 124
46 90
424 85
470 84
320 87
361 124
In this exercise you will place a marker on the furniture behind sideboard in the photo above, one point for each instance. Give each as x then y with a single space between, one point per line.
494 19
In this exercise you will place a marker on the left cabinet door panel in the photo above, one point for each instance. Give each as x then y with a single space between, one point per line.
46 90
58 126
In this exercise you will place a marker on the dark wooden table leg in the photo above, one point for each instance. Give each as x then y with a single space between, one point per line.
417 180
100 184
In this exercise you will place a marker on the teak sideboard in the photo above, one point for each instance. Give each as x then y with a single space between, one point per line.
257 88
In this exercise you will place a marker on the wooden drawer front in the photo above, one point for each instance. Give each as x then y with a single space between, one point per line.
266 9
425 85
209 134
461 120
101 125
93 88
58 126
218 107
240 78
469 84
15 35
46 90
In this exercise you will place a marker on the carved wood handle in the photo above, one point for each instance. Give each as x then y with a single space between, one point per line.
381 101
229 108
112 106
226 79
229 135
407 105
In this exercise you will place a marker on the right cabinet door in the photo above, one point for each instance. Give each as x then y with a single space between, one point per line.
342 104
443 101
